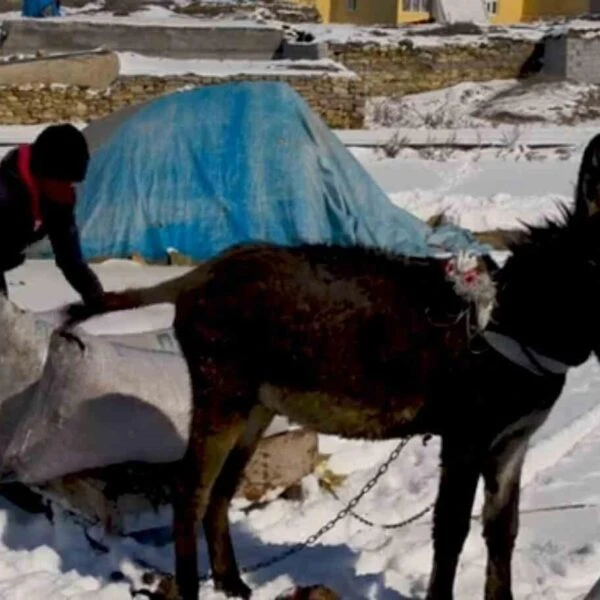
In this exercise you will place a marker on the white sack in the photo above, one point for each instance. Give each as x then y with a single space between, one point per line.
158 339
23 347
101 405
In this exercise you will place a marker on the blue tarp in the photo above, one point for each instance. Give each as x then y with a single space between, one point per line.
40 8
201 170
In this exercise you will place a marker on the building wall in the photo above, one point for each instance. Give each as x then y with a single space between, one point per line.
367 12
536 9
324 8
340 101
582 59
509 11
391 11
398 70
405 16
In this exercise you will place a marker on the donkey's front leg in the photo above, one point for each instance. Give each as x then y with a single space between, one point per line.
502 476
458 482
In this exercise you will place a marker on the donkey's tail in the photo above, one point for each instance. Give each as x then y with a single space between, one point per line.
587 196
166 292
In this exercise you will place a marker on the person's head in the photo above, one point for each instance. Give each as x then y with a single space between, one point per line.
60 153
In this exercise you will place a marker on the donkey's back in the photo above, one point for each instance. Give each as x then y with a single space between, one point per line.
349 340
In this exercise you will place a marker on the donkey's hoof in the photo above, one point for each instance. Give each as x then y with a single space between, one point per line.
233 587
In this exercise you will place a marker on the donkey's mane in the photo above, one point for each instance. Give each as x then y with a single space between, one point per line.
564 232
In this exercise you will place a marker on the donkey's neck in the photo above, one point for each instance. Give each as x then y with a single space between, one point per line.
534 318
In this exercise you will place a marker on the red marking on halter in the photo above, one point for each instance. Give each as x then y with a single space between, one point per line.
469 277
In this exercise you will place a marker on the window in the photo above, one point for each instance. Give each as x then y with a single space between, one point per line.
415 5
492 7
351 4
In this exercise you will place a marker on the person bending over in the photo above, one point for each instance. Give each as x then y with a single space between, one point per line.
37 199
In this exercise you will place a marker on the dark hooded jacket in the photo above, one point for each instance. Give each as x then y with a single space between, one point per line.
19 227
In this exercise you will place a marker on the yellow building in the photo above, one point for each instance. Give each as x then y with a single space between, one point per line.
393 12
515 11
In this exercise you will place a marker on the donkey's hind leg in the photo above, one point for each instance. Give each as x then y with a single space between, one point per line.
502 477
458 482
216 429
225 571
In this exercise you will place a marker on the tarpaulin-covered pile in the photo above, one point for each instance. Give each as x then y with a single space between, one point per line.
200 170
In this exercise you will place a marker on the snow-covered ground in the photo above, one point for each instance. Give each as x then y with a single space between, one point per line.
478 190
489 104
137 64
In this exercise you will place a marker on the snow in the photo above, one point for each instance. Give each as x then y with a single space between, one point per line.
421 35
490 104
149 16
137 64
479 193
480 137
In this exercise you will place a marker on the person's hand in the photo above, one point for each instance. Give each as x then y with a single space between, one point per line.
81 311
8 264
77 312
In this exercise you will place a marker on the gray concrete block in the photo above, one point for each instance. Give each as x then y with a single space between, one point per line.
303 50
555 57
95 70
259 43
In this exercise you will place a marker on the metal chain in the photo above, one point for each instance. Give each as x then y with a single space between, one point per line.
397 525
348 509
344 512
311 539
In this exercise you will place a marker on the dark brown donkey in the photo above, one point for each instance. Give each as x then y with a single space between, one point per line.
363 344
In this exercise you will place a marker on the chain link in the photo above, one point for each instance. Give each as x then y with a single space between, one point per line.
311 539
397 525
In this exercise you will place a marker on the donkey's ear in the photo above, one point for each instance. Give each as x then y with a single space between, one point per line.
587 195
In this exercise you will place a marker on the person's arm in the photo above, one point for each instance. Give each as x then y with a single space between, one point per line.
64 237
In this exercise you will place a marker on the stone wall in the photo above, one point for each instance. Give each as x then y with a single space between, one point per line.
404 69
339 100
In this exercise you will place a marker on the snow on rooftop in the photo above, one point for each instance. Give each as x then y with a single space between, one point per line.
421 35
137 64
489 104
149 16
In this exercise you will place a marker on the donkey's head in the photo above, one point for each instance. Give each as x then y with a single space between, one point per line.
549 289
